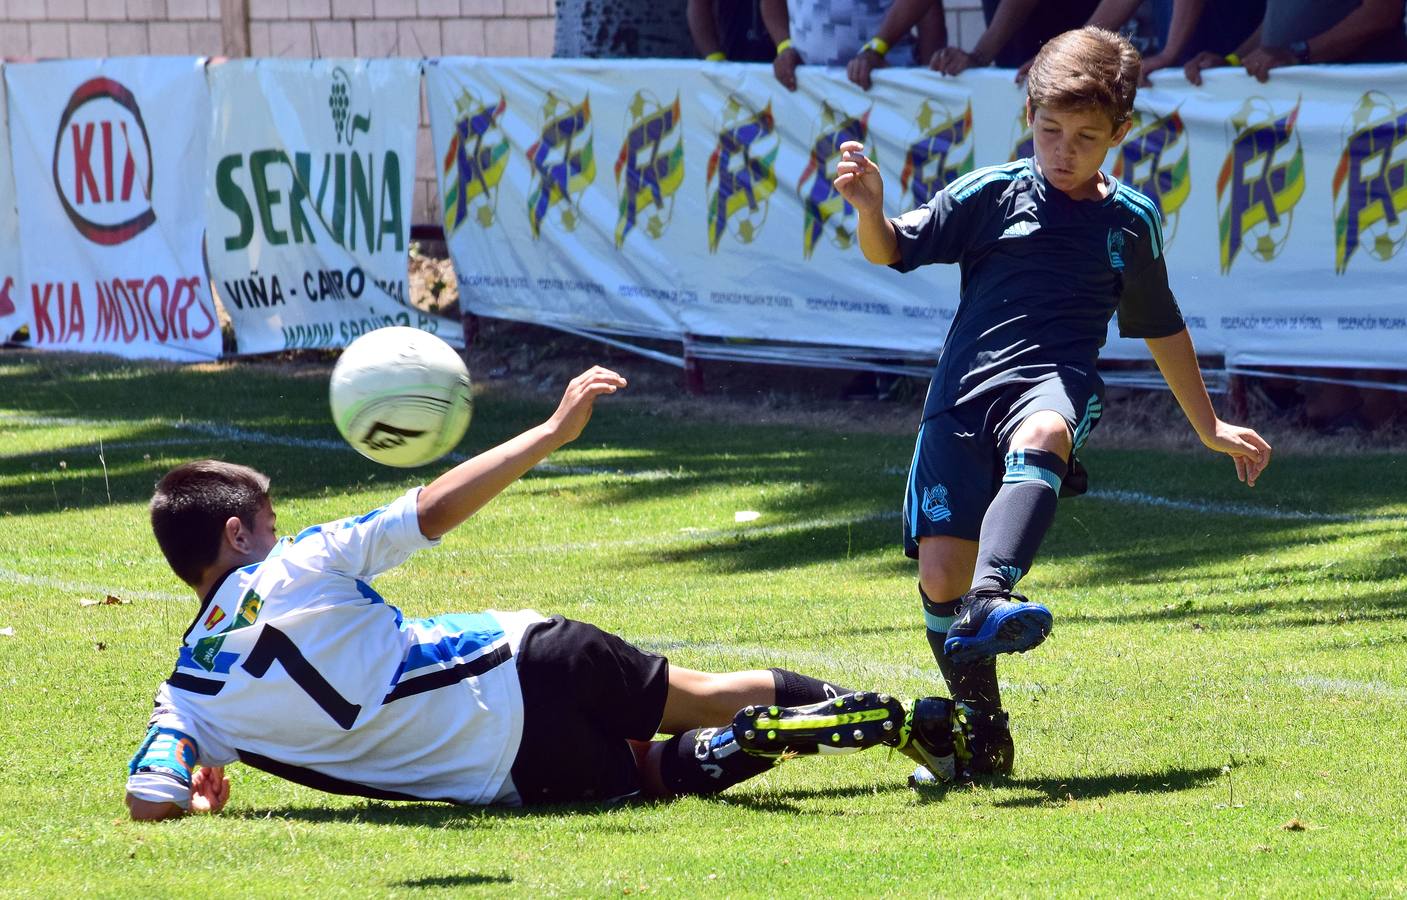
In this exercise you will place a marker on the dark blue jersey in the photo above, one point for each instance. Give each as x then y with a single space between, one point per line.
1041 276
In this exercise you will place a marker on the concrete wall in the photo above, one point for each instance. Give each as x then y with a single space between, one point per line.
304 28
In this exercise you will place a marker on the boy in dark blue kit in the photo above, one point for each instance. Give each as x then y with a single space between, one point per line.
1050 248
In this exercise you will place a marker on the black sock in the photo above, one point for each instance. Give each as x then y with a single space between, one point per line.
1018 518
795 689
706 761
974 683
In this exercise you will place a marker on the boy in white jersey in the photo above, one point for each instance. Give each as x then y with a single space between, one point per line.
296 665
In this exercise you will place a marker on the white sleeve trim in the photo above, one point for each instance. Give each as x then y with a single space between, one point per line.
158 788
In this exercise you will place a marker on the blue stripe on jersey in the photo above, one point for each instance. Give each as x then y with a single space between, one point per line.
973 182
465 634
367 517
222 663
1146 211
369 593
307 532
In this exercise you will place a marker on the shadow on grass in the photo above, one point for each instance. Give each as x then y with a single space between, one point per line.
1058 791
787 801
468 879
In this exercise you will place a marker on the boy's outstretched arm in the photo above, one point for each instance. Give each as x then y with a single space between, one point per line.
859 182
1178 362
459 493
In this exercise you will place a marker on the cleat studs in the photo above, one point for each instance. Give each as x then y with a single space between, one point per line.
749 734
888 725
771 735
883 698
859 735
859 695
839 704
835 737
773 711
750 711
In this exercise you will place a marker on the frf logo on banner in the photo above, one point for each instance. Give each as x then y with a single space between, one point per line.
942 152
1154 159
563 161
102 163
650 166
1370 183
1260 182
741 173
474 163
824 206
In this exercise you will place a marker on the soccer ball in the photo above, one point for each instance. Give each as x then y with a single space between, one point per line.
400 396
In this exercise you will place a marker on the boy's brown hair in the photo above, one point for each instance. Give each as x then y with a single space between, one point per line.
191 505
1088 68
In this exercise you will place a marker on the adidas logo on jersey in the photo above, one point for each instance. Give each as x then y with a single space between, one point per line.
1020 229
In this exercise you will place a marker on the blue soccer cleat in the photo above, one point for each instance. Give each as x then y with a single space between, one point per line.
989 623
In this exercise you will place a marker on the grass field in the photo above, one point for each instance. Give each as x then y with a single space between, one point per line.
1220 709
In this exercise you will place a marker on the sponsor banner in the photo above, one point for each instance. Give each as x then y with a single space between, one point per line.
308 198
14 312
107 152
664 198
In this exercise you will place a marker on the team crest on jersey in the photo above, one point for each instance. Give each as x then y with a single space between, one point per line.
208 648
741 173
1154 160
825 209
935 503
1261 181
1116 249
941 153
1370 183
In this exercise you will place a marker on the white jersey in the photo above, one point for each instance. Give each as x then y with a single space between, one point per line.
295 665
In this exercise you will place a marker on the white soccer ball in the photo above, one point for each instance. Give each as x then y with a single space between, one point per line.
400 396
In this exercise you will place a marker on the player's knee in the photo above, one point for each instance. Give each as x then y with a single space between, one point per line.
1046 430
939 585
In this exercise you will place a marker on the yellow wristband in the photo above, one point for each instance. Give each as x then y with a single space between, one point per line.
878 45
1232 59
716 56
783 46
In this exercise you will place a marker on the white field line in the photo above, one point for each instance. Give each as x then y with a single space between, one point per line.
1131 498
1350 687
89 589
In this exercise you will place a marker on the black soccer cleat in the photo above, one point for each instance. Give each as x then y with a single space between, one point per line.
986 738
991 622
927 738
846 724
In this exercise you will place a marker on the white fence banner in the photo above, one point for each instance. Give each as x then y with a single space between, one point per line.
105 155
14 311
308 193
669 199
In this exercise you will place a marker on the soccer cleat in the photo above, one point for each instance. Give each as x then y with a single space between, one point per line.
988 624
845 724
985 739
927 737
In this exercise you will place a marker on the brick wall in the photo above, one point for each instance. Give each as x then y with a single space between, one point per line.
305 28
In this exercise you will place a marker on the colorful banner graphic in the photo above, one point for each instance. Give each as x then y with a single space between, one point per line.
308 199
108 152
1282 202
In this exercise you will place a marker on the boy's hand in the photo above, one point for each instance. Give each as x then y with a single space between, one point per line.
1204 60
1249 450
858 70
784 67
858 180
575 409
210 790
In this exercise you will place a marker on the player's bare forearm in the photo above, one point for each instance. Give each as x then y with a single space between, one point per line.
878 240
452 498
1177 360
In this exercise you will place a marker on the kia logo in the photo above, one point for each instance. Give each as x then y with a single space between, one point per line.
102 163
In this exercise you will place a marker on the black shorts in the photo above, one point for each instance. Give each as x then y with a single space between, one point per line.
586 692
958 457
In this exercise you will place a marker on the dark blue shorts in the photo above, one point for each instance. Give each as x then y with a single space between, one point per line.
958 457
